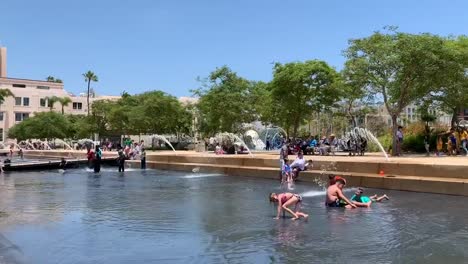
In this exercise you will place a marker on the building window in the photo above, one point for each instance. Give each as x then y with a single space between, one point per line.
42 102
18 100
25 101
77 105
1 117
43 87
19 85
466 111
21 116
1 134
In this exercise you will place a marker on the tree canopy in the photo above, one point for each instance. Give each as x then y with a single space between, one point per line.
399 67
44 125
299 89
225 102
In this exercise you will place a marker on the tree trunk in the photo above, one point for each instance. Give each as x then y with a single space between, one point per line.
454 117
63 110
87 99
353 120
394 137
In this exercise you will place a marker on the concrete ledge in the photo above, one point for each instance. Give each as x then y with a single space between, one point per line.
451 186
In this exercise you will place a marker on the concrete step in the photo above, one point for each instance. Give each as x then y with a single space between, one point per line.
442 185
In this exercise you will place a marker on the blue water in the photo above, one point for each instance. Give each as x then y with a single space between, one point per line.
172 217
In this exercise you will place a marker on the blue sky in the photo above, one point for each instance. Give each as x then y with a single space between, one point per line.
143 45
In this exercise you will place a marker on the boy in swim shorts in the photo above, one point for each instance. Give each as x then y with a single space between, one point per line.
365 201
335 196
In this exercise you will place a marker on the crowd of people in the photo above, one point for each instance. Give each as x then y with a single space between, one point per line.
456 142
130 151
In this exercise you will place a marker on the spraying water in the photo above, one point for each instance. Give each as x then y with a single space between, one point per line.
257 143
65 144
369 135
357 133
160 137
230 138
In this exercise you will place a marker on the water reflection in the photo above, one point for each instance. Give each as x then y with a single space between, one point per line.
154 216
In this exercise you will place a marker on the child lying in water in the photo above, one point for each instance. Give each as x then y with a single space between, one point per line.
365 201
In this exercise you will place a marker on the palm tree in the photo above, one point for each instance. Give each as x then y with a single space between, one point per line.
64 101
4 93
51 101
89 77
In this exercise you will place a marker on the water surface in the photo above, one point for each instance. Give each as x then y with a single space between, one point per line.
172 217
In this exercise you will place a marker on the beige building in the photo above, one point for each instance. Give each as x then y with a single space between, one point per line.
30 96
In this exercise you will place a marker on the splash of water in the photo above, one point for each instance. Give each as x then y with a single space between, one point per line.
195 176
313 193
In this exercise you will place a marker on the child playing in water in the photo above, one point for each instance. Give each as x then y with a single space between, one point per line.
335 196
286 172
286 199
365 201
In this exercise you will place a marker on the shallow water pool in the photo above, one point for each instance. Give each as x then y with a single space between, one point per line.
173 217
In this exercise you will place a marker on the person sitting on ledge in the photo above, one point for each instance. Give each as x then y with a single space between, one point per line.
335 196
298 165
365 201
286 199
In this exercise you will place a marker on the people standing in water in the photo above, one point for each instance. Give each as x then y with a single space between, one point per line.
365 201
21 153
335 196
285 200
97 159
143 159
91 157
121 160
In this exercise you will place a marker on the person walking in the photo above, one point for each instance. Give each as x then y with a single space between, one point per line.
399 135
464 140
143 159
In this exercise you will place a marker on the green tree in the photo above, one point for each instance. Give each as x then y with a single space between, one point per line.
5 93
64 101
354 89
452 95
89 77
44 125
400 67
225 102
299 89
